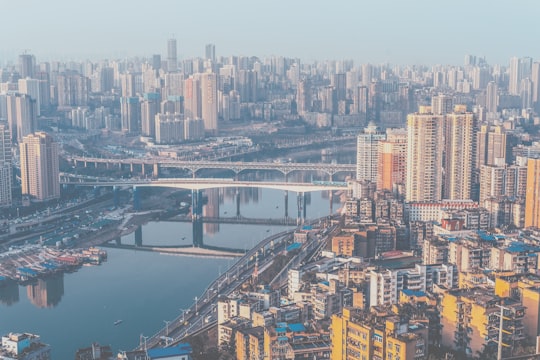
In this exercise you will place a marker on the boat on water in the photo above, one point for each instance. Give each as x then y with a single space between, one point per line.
117 322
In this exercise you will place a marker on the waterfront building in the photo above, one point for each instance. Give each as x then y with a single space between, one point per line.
424 156
169 128
6 166
532 198
182 351
39 158
24 346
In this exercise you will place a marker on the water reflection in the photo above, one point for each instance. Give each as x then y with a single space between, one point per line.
42 293
9 293
46 292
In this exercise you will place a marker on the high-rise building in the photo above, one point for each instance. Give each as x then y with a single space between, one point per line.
192 97
130 112
150 106
535 77
502 181
492 97
40 176
21 115
172 61
303 97
31 87
442 104
520 68
367 150
460 154
210 52
424 156
532 198
72 89
27 64
209 102
392 163
5 166
491 145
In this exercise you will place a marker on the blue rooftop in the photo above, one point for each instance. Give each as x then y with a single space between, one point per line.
163 353
27 271
485 236
281 330
307 227
298 327
294 246
518 246
413 292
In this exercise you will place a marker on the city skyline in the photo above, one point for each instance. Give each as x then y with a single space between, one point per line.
364 32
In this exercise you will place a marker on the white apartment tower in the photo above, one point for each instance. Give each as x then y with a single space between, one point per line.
367 149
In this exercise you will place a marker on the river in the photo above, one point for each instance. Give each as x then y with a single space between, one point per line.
142 288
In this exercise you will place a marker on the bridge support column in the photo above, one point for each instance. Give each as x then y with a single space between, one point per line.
138 236
237 203
286 203
331 196
196 217
155 173
131 168
142 169
305 208
116 196
300 204
136 199
196 204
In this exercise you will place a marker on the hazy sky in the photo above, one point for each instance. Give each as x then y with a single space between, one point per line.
394 31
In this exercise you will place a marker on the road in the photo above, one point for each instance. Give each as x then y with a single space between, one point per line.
202 315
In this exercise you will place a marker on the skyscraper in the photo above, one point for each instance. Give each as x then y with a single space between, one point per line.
442 104
149 108
520 68
491 145
21 116
5 166
172 61
210 52
40 166
130 112
392 162
367 150
492 97
535 77
424 156
460 154
31 87
192 97
209 102
532 198
27 63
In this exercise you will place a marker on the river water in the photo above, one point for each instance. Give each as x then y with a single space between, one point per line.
142 288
